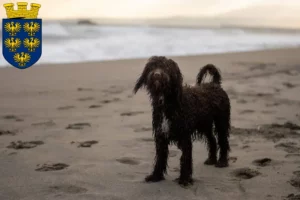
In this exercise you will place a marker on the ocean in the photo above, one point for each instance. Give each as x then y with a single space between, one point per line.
65 42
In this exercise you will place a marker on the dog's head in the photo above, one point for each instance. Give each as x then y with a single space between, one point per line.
161 76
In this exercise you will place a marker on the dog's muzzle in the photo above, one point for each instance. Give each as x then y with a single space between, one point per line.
157 81
157 75
157 78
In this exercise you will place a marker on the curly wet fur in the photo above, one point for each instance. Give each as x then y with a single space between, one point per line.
181 114
213 71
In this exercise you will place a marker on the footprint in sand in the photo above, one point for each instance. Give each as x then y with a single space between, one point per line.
241 131
51 167
9 117
269 196
232 159
128 161
261 66
12 153
95 106
295 181
281 118
263 95
289 85
233 143
262 162
70 189
125 176
297 173
245 147
88 143
47 123
133 113
293 155
24 145
86 99
143 129
84 89
287 125
292 197
113 90
276 132
245 173
275 137
78 126
146 139
268 111
106 101
277 90
289 147
247 111
272 104
12 117
65 107
7 132
241 101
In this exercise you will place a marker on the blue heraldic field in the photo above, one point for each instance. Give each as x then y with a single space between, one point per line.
22 41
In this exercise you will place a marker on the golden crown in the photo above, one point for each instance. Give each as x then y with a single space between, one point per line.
22 11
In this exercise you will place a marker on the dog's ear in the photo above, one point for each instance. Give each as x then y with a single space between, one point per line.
140 82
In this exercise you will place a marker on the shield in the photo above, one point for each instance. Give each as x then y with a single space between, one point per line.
22 41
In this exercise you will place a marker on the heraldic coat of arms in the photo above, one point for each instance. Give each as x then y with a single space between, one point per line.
22 35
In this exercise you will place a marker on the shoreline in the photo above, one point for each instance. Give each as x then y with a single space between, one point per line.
171 56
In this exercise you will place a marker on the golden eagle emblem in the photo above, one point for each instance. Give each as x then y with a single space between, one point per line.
12 43
31 28
13 28
22 58
31 44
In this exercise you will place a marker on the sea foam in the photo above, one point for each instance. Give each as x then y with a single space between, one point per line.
70 42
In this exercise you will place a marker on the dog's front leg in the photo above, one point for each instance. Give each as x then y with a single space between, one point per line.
161 159
186 162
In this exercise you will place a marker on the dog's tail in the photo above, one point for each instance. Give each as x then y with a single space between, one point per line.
213 71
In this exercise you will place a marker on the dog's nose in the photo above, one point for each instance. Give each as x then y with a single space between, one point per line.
157 74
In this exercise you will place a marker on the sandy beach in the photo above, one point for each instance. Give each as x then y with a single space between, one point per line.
75 131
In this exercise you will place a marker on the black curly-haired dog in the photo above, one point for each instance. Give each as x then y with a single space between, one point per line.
181 114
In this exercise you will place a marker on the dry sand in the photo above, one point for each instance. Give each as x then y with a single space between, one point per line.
44 154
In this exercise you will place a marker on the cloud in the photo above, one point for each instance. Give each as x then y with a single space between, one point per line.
140 8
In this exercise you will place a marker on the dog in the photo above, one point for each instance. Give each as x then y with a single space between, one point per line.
182 114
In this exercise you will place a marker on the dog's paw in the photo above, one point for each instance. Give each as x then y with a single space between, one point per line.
210 161
154 178
222 164
184 182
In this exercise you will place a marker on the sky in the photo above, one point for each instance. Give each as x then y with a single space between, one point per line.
141 8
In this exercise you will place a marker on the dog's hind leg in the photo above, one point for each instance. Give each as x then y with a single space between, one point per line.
186 162
161 159
211 146
222 128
